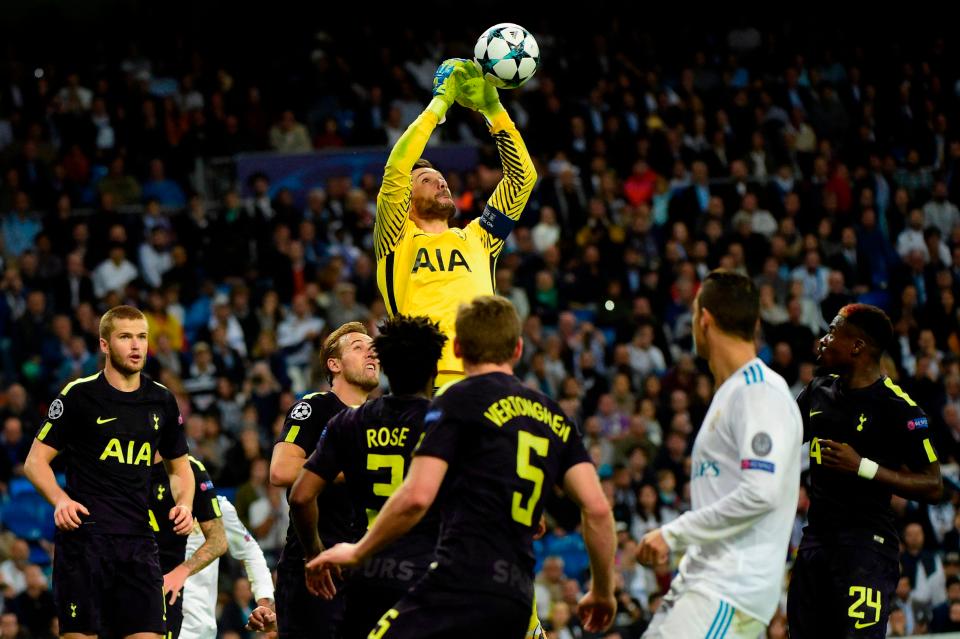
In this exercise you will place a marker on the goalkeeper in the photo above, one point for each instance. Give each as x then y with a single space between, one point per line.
424 267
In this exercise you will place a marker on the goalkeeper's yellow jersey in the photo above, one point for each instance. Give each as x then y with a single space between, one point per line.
431 274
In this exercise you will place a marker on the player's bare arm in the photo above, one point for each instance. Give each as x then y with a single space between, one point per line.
180 472
37 469
214 545
285 464
923 485
405 508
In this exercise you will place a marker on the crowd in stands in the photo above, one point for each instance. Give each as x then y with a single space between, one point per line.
827 172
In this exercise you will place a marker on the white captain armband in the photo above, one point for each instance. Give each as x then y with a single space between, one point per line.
496 223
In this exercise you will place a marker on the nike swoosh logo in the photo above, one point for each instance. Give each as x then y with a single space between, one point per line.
100 420
817 412
859 625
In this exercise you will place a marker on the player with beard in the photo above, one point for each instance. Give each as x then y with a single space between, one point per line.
106 572
353 372
868 441
425 267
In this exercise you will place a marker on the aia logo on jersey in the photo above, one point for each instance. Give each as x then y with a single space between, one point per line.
436 262
917 423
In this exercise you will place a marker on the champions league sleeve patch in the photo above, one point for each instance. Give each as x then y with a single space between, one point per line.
301 411
56 409
914 424
757 464
761 444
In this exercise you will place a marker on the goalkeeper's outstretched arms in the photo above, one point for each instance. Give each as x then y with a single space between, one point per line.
510 197
393 200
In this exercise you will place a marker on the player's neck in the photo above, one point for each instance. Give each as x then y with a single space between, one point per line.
124 383
471 370
348 393
861 377
429 226
728 355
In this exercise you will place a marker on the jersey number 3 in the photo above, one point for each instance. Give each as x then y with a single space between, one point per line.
528 444
376 462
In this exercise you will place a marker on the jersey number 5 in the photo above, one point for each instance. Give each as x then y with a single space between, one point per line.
528 444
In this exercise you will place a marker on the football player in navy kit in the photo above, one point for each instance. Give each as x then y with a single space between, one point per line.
868 441
106 573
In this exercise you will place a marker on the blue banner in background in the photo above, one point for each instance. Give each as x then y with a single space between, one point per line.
301 172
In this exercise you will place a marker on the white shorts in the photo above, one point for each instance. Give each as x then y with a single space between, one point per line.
696 615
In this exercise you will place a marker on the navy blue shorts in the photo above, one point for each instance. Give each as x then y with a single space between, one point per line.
841 591
427 613
301 615
108 584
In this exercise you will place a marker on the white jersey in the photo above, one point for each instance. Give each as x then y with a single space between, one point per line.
746 480
200 590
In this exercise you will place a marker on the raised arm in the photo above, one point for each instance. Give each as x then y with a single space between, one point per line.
393 200
512 193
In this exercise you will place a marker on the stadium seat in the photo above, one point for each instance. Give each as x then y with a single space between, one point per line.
29 516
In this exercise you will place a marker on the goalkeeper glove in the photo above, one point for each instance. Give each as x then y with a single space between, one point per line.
447 81
478 94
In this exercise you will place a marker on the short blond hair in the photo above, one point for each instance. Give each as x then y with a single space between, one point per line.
487 330
333 349
122 312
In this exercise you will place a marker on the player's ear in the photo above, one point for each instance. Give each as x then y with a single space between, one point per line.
457 350
858 346
334 365
517 351
104 346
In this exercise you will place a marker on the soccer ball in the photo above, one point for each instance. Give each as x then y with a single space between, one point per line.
508 54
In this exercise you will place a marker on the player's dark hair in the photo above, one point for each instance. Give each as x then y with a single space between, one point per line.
421 164
123 312
408 349
487 330
333 348
733 301
873 324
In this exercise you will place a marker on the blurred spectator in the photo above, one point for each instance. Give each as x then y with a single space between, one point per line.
288 135
34 607
234 615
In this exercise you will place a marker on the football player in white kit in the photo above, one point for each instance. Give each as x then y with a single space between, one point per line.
200 590
744 487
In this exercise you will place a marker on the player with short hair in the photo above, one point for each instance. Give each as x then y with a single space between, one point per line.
106 573
496 446
425 267
353 372
745 484
372 446
868 441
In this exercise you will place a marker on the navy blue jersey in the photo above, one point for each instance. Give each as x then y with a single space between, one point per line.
882 423
303 426
173 547
108 438
372 446
507 446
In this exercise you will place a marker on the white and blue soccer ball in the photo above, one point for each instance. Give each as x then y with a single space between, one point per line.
508 54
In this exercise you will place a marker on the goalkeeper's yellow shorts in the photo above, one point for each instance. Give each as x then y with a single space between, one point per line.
535 631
